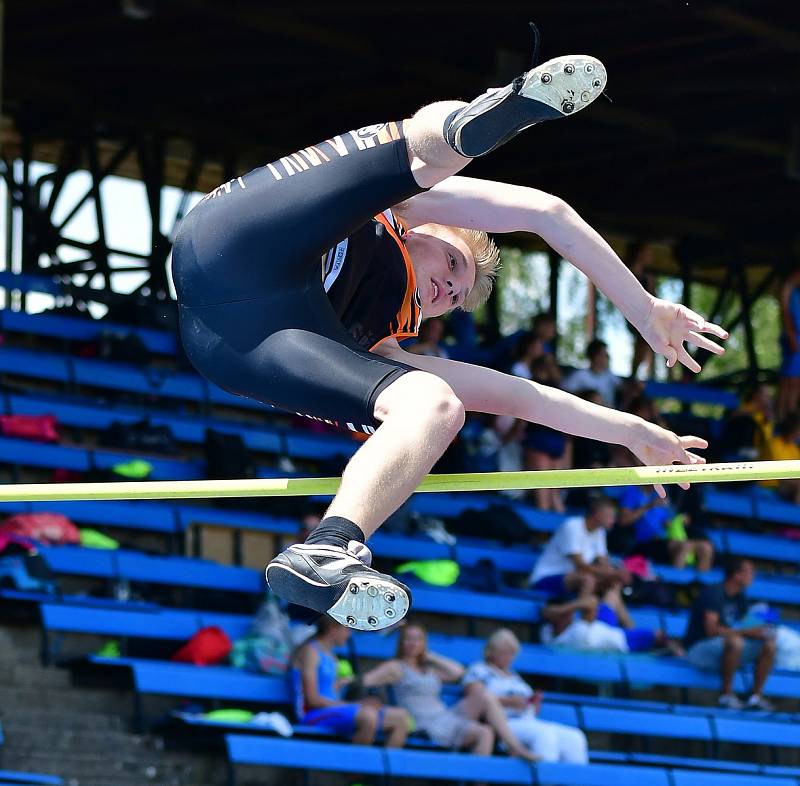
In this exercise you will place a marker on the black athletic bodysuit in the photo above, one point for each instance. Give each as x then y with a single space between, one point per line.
289 275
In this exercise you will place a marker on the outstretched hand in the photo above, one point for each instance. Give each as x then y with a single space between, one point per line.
655 446
668 325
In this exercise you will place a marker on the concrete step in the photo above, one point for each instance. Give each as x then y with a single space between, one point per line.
63 738
27 675
76 699
110 766
64 717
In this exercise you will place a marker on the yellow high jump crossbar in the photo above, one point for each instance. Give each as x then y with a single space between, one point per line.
486 481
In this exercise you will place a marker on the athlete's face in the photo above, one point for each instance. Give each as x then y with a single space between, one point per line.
445 271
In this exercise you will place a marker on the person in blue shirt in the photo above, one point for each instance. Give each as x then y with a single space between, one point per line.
649 516
316 686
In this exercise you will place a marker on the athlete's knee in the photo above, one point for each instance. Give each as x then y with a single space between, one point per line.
426 397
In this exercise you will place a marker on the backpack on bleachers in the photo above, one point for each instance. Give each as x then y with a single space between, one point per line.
268 645
227 457
39 428
43 527
140 436
497 522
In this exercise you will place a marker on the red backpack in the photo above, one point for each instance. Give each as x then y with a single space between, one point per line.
208 646
40 428
47 528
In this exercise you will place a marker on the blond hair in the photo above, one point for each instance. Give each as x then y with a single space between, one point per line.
497 639
484 252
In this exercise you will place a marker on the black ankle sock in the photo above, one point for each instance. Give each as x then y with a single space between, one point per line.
446 129
336 531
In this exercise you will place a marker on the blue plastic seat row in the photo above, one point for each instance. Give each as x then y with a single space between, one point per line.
632 670
70 328
306 755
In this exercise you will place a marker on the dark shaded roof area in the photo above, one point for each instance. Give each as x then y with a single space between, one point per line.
700 144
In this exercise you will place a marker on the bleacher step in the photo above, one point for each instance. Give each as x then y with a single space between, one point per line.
77 699
63 718
164 771
57 737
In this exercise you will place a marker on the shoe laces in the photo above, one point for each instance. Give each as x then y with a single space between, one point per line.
537 40
360 551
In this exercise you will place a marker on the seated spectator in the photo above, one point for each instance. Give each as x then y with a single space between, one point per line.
746 431
593 625
597 377
549 741
784 445
429 341
546 448
659 531
417 676
715 639
316 687
575 559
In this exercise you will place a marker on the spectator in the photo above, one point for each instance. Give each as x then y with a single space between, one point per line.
642 257
591 625
575 558
316 687
713 641
429 342
546 448
659 531
783 446
789 384
597 377
543 326
747 431
527 350
417 676
549 741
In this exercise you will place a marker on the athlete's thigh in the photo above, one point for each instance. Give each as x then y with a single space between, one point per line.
270 227
284 353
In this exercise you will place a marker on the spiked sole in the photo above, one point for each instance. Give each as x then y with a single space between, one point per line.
567 84
555 89
370 603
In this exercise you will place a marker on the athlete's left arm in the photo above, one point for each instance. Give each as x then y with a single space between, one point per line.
486 390
501 207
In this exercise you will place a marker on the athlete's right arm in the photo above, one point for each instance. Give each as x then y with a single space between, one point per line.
483 389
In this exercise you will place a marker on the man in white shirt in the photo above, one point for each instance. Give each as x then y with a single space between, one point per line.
597 377
575 559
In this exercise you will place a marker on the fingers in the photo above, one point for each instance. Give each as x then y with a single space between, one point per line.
693 442
694 458
671 355
704 343
687 359
715 330
660 490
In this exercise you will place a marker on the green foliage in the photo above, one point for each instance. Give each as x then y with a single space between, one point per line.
765 319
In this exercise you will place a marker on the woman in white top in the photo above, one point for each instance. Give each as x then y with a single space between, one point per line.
549 741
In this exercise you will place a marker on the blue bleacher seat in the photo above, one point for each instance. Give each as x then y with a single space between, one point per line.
430 765
11 777
699 778
755 732
552 774
339 757
655 724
